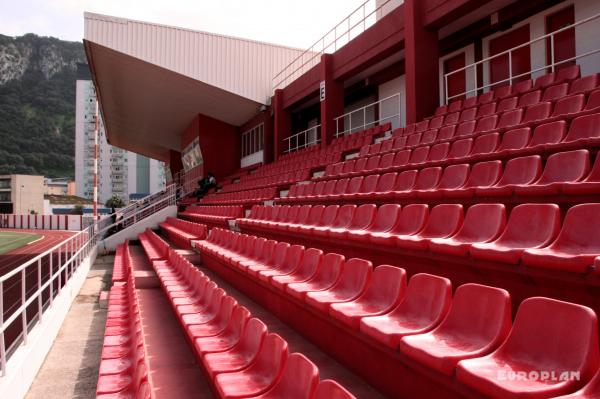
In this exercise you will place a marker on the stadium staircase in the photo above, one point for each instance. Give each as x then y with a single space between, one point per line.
458 257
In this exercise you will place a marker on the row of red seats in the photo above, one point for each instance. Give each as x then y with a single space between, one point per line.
564 75
564 173
532 235
551 137
238 353
154 246
275 180
123 369
470 335
182 232
241 197
121 264
215 215
530 107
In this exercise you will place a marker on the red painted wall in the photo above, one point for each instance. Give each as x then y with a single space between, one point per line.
175 163
456 82
521 58
564 42
219 143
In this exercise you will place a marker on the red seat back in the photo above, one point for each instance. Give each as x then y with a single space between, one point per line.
444 221
484 174
570 166
515 139
454 176
329 389
584 127
483 223
523 170
412 219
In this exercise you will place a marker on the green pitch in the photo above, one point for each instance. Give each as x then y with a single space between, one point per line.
10 240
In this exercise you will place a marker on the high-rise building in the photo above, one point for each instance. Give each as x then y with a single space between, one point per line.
122 173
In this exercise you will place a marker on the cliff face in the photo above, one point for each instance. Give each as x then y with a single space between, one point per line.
37 104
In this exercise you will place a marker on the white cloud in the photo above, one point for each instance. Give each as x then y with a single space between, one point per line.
290 22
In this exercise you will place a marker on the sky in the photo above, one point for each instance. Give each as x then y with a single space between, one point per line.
296 23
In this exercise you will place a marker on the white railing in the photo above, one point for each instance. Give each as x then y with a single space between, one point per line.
552 65
350 27
303 139
389 109
31 287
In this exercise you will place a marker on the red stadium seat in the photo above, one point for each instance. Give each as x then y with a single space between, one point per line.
593 101
412 219
568 73
483 223
503 91
555 92
465 128
453 177
485 97
531 98
478 321
446 133
585 84
537 112
329 389
518 171
362 218
438 152
262 373
510 118
327 275
228 337
507 104
522 86
544 80
327 217
548 337
589 185
355 276
589 391
486 124
562 167
384 220
514 140
309 266
487 109
576 246
468 114
427 179
299 380
570 105
386 289
291 262
584 129
241 355
342 220
460 149
425 305
548 134
483 174
529 226
443 222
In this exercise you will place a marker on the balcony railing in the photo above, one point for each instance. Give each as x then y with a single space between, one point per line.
552 65
389 109
303 139
350 27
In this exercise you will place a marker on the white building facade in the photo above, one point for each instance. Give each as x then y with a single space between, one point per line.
122 173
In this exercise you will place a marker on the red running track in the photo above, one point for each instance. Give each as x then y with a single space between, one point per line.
12 288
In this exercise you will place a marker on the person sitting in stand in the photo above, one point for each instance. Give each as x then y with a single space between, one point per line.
210 181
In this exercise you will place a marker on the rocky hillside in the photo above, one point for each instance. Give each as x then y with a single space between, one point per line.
37 105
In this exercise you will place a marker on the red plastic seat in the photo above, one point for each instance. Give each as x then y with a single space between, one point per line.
368 187
503 91
352 282
384 220
589 185
484 144
522 86
329 389
584 129
455 105
465 128
385 290
529 226
278 256
401 158
483 174
310 264
446 132
419 155
485 97
424 306
568 73
531 98
427 179
429 136
510 118
518 171
228 337
468 114
555 92
291 262
544 81
537 112
470 102
362 218
241 355
438 152
327 217
299 380
569 105
487 109
342 219
443 222
585 84
570 166
486 124
507 104
460 149
436 122
326 276
262 373
576 246
411 220
453 177
514 140
405 181
413 140
589 391
548 134
482 223
593 101
548 337
478 322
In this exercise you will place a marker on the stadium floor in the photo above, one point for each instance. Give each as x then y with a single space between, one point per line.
11 240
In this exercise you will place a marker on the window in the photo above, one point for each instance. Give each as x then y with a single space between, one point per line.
253 140
4 197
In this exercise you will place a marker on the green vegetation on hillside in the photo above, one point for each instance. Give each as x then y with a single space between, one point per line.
37 105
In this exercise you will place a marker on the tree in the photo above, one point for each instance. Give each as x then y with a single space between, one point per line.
115 202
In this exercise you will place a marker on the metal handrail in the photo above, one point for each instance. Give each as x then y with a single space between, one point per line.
363 110
280 80
511 77
307 143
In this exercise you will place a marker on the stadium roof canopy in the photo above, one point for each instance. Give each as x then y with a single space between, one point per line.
152 80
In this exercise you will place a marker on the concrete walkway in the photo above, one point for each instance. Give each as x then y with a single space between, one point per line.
71 367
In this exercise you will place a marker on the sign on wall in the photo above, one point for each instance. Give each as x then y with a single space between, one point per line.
191 156
322 91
